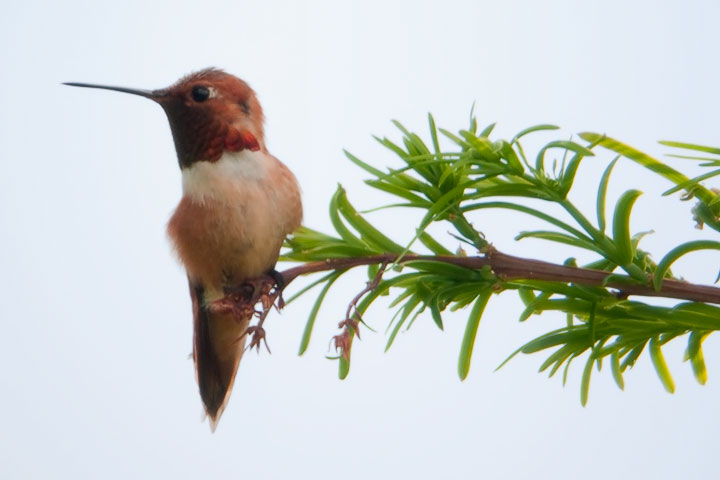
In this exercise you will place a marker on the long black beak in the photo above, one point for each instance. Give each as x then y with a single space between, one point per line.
151 94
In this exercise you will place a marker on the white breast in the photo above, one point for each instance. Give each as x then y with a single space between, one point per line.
216 180
234 216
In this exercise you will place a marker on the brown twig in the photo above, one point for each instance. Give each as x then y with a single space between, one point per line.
351 318
509 267
343 340
506 267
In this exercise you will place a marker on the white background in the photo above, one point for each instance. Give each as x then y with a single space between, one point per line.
96 322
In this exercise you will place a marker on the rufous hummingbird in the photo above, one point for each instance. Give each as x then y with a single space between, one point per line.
238 205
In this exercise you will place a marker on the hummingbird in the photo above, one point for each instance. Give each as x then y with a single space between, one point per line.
238 204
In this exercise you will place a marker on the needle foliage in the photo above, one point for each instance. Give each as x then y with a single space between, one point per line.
481 172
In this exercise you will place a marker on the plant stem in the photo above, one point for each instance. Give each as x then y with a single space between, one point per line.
596 234
509 267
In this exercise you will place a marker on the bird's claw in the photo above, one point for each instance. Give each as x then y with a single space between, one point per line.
258 336
264 289
232 304
241 300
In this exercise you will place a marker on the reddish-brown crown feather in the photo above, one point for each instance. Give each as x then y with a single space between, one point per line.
230 119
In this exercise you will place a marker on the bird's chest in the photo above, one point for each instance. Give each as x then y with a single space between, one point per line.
225 229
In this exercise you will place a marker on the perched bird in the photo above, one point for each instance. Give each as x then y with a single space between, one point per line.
238 205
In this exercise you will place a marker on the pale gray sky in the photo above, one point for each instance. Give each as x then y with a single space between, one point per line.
95 312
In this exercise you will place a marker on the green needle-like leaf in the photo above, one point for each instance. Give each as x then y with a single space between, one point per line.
305 340
675 254
340 227
530 211
602 193
695 355
533 129
621 227
560 238
308 287
402 192
510 156
691 146
432 244
568 175
363 165
468 342
557 358
487 130
660 365
585 381
616 372
437 318
433 133
367 231
407 309
568 145
692 183
575 334
645 160
535 306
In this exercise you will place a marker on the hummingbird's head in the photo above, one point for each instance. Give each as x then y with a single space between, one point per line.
209 111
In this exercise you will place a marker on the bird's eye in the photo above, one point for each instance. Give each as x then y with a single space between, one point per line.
200 93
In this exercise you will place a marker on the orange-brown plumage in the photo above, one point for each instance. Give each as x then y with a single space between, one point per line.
238 205
228 229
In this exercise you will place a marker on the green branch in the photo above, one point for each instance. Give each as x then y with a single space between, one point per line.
450 184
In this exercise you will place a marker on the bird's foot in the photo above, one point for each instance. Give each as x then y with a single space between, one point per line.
241 300
258 336
234 304
251 291
264 289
